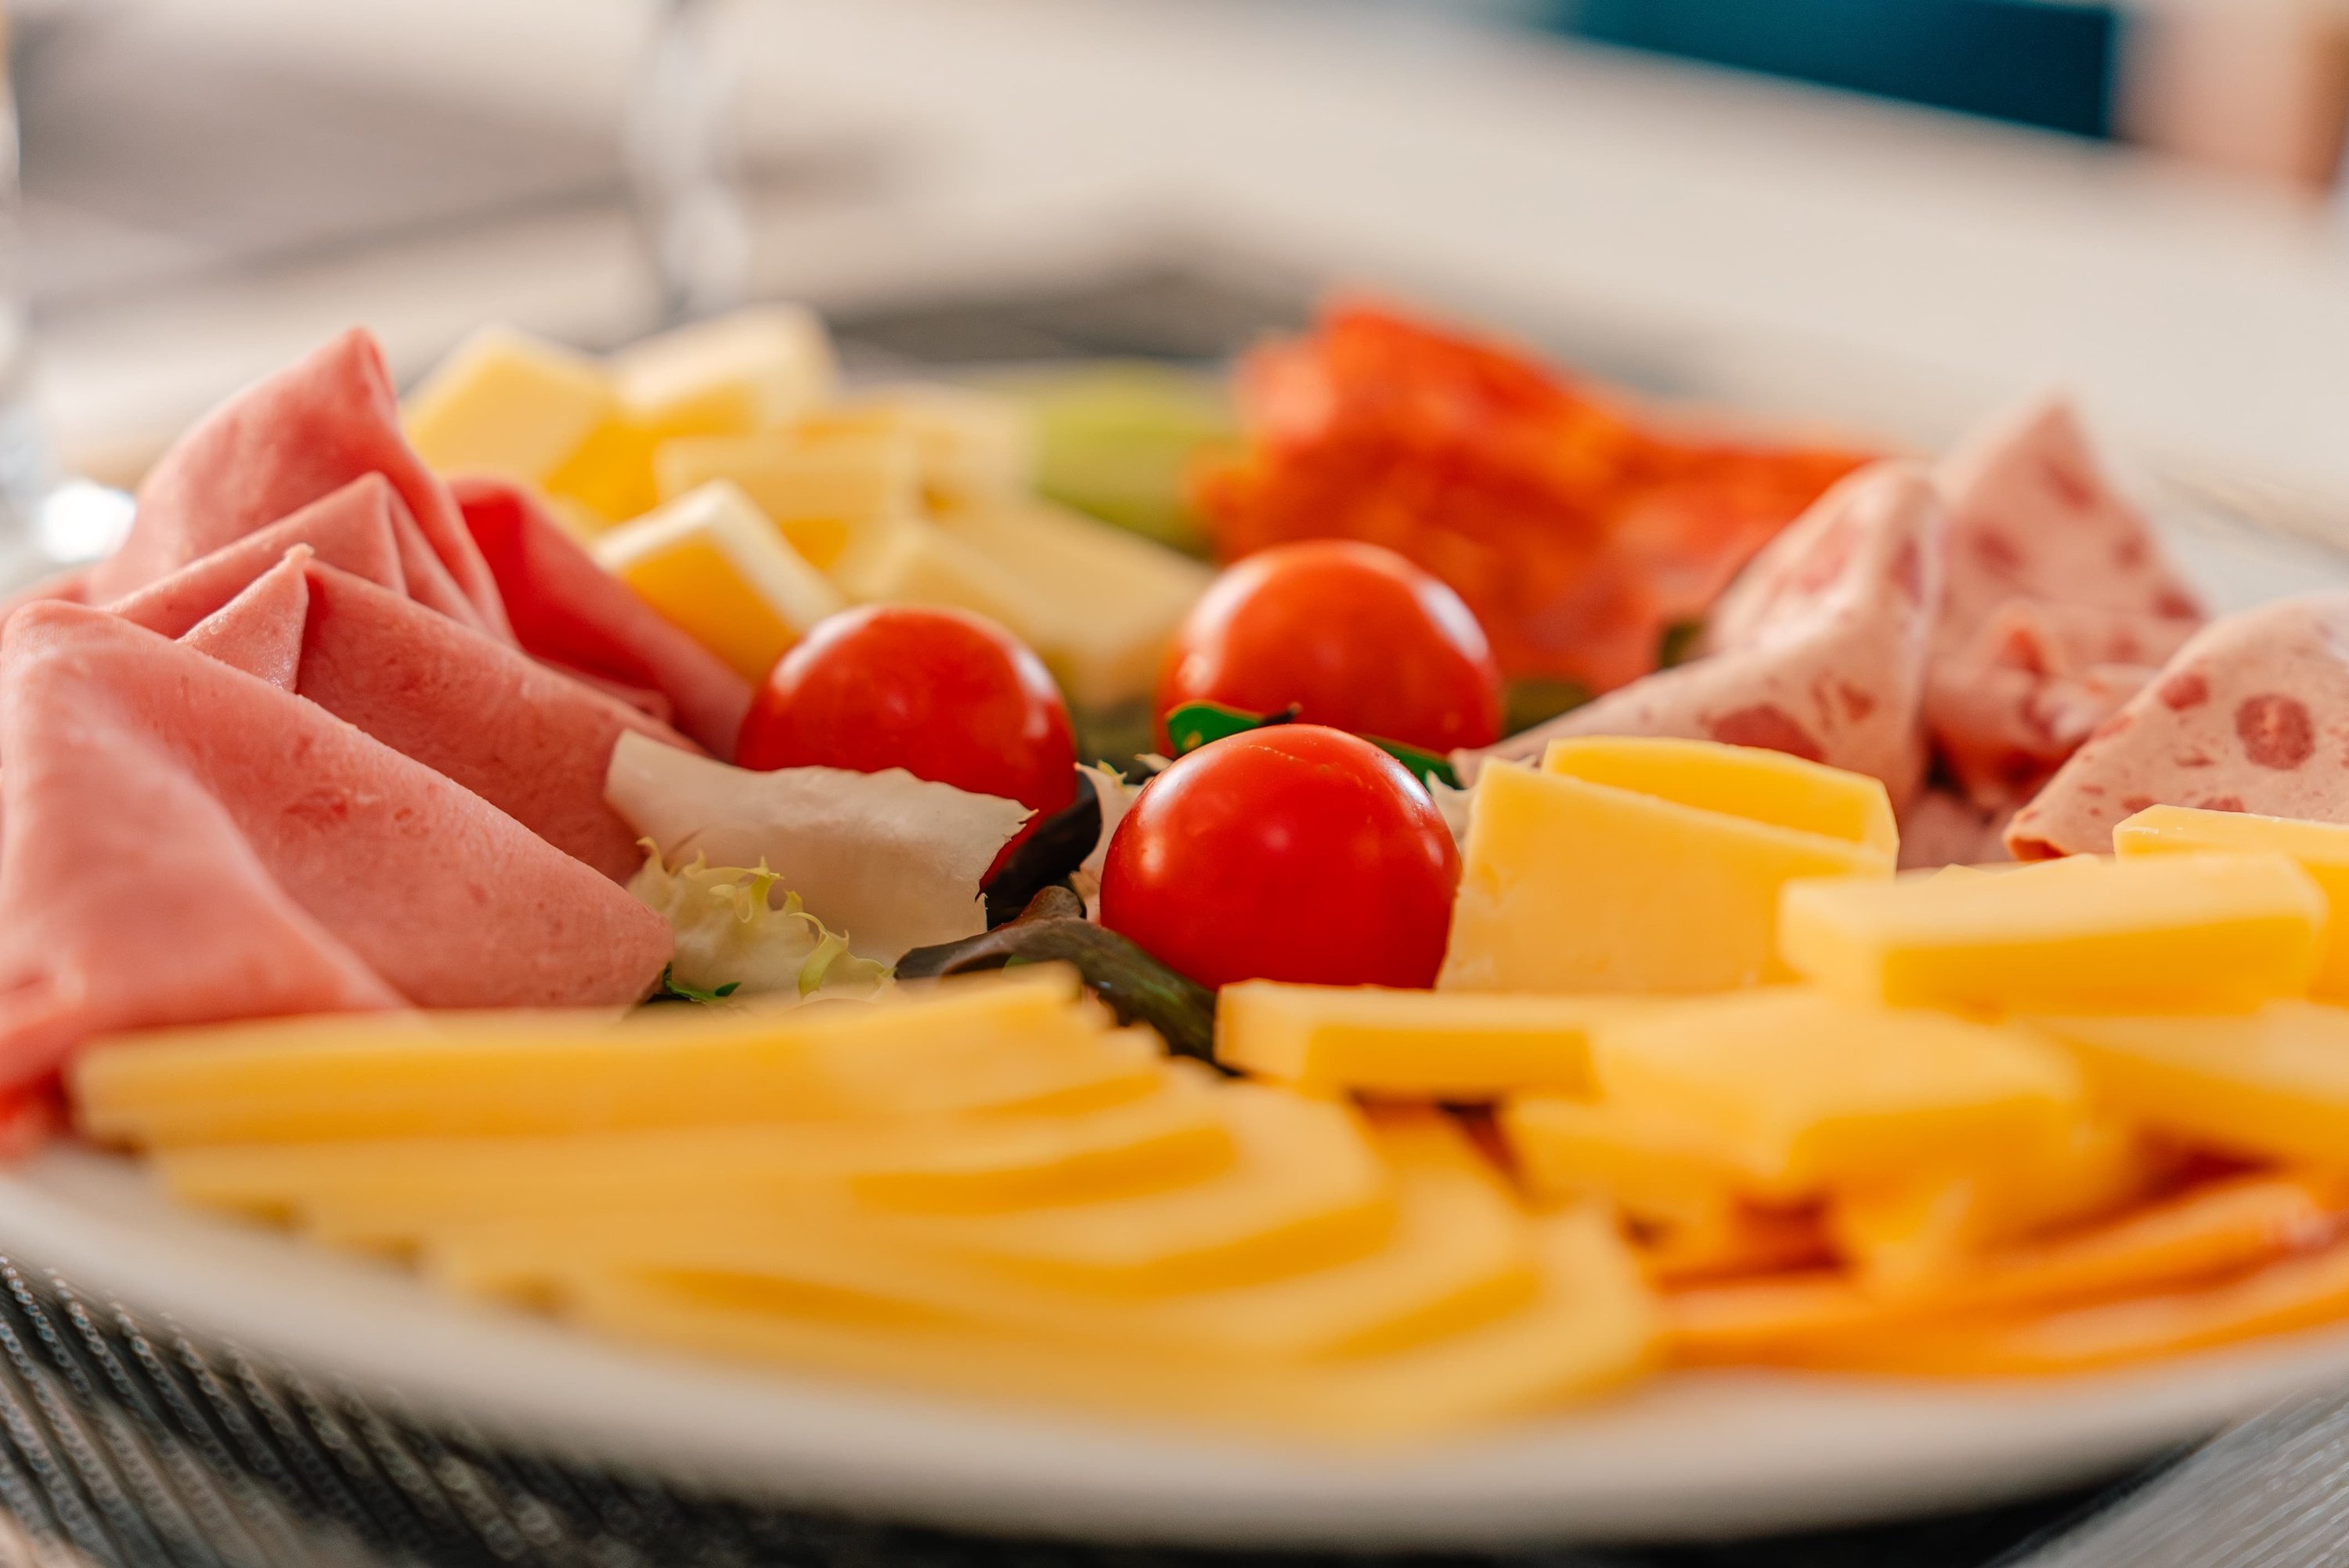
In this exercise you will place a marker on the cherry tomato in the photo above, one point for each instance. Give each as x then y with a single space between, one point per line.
1295 852
1357 637
946 696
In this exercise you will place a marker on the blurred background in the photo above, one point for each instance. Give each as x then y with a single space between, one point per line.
1887 212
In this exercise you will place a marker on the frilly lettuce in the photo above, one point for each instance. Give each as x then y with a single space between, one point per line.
733 939
1116 796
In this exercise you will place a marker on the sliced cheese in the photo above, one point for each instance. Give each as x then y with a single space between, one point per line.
920 563
1656 1169
1568 886
749 370
827 496
1802 1092
972 445
2154 935
1744 781
2319 849
1433 1044
716 569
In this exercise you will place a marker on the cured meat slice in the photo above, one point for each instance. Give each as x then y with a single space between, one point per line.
2059 604
571 612
1943 828
184 844
1818 650
353 530
280 444
529 740
2252 715
260 630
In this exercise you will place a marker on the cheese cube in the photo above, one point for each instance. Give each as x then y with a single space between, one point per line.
1427 1045
1568 886
715 568
825 495
1801 1092
972 445
2274 1083
2319 849
917 562
2178 932
1745 781
1116 600
1657 1171
755 370
508 404
609 478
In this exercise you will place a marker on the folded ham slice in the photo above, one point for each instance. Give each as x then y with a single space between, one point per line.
571 612
529 740
353 530
281 444
2059 604
260 630
1818 650
2252 715
184 844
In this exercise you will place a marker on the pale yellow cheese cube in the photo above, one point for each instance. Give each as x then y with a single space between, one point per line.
2273 1084
1568 886
918 562
508 404
1116 599
754 369
1746 781
972 445
1802 1092
825 496
2154 935
1427 1045
715 568
2319 849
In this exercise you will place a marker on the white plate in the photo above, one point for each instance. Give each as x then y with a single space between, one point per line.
1685 1455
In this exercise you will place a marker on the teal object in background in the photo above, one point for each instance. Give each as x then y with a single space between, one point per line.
2036 62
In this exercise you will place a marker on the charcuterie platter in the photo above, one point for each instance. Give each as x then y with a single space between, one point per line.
1488 960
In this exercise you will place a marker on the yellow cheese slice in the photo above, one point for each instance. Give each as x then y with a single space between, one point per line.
2152 934
825 495
1568 886
716 569
389 1190
508 404
920 563
1592 1324
1657 1170
2274 1083
1459 1253
2319 849
1744 781
1305 1188
749 370
1802 1092
1113 600
1021 1039
1431 1045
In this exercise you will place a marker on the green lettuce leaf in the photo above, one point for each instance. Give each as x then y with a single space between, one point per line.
736 941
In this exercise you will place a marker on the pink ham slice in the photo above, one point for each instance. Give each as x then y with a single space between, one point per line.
1818 650
2252 715
354 530
571 612
260 630
1943 828
184 844
529 740
2058 603
279 445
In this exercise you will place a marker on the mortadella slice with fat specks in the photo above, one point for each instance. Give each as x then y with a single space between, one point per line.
281 444
2059 604
2252 715
163 863
571 612
1818 649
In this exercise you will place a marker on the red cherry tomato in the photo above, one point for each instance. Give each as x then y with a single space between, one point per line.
946 696
1357 637
1295 852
